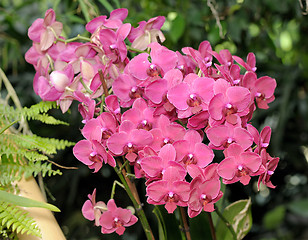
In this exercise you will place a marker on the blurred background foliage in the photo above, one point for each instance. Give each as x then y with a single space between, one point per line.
276 31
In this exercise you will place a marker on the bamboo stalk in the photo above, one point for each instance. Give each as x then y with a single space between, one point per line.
43 217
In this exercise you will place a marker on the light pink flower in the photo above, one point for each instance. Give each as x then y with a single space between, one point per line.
93 210
147 32
45 30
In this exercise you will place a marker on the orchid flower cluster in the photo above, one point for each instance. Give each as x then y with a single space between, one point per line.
159 111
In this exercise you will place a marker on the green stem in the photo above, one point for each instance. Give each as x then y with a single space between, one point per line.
135 49
114 186
85 86
133 195
78 37
229 226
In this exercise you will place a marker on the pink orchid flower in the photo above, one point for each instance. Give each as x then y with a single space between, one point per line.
262 89
129 140
115 219
171 191
166 132
155 166
192 95
229 103
100 128
203 195
250 64
191 150
92 154
270 165
162 60
221 136
238 165
141 115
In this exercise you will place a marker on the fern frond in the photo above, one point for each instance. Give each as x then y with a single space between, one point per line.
13 167
35 112
34 142
18 220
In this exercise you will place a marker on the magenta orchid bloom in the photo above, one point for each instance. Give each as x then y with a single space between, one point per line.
270 165
46 30
115 219
250 64
129 140
162 60
191 150
238 165
155 166
203 56
229 103
92 154
222 136
100 128
203 195
262 89
172 190
166 132
192 95
114 21
141 115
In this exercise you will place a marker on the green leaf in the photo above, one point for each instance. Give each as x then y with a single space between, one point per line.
299 207
107 5
238 214
162 233
198 232
25 202
177 28
84 10
274 218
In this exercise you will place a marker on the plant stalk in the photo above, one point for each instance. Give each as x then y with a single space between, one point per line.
212 226
229 226
133 195
185 224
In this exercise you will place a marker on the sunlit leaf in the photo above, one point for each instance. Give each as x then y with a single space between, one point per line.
238 214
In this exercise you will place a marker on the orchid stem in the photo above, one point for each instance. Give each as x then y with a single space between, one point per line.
114 186
133 195
85 86
212 226
228 225
185 224
135 49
